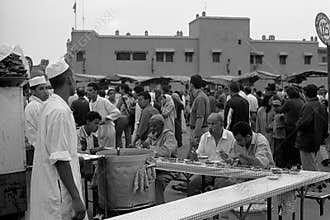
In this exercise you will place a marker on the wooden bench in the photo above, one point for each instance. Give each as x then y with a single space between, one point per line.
319 197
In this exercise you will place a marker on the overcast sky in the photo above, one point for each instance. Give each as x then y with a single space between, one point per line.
42 27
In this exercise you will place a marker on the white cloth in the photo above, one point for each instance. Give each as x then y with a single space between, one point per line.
110 113
57 141
253 103
32 116
208 147
169 113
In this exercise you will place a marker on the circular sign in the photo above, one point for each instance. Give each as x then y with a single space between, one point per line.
322 25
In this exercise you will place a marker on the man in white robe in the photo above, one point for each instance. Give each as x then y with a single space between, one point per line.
56 191
39 92
109 113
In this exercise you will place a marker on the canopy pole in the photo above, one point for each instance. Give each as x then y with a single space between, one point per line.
328 55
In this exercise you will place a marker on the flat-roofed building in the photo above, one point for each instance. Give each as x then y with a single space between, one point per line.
214 46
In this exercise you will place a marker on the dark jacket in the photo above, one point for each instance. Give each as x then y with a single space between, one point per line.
312 126
80 108
240 107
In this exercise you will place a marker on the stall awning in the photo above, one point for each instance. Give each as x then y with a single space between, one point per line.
283 54
189 50
216 50
308 54
88 77
254 52
165 50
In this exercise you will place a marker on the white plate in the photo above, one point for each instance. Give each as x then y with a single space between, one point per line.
273 177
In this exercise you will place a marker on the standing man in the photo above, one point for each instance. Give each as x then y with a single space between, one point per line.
108 112
236 109
312 128
80 108
253 106
39 92
56 183
200 110
148 111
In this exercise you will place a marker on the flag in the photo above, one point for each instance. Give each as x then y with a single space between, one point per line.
74 7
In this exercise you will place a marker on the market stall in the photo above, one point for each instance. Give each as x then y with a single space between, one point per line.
13 184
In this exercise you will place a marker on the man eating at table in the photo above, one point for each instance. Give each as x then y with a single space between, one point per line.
249 148
252 149
162 142
217 141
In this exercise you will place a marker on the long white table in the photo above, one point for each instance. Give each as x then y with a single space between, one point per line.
203 169
217 201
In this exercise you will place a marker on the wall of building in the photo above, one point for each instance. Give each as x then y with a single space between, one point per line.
295 51
222 33
206 34
101 55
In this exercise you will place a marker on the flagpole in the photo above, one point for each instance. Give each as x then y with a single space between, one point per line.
75 19
75 14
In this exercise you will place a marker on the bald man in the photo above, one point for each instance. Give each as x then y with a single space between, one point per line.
162 142
217 144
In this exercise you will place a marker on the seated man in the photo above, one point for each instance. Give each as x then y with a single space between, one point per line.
162 142
251 149
216 143
87 140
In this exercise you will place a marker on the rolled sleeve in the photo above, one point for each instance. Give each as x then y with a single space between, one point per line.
58 137
201 145
59 156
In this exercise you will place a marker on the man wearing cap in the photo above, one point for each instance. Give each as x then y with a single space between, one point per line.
56 183
162 142
39 92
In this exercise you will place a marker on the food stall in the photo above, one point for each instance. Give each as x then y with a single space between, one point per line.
13 193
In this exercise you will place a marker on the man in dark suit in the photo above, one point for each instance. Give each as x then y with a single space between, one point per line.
80 108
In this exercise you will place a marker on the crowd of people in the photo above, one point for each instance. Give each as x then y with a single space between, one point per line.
234 124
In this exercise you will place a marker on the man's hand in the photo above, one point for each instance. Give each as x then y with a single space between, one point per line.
245 160
223 155
79 209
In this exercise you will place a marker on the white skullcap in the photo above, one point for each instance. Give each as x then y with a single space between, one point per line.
56 69
37 81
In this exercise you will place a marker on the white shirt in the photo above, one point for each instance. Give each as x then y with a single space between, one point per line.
57 141
208 147
107 110
32 116
253 103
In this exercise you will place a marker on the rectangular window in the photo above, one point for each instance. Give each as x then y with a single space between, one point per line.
169 56
324 60
80 56
283 59
139 55
159 56
307 60
123 56
239 42
251 59
259 59
216 57
189 57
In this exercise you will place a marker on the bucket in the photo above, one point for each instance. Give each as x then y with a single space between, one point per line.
121 171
